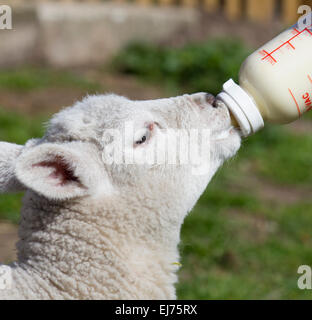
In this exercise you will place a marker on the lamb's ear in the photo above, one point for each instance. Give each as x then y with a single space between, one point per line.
9 152
62 172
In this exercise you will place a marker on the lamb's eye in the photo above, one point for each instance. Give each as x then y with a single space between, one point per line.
144 135
141 141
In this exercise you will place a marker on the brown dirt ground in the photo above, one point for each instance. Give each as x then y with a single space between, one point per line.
8 238
268 191
259 228
302 126
53 99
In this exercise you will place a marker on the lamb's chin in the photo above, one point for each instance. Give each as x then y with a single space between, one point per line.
227 143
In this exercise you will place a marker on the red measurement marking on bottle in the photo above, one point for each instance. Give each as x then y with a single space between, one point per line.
269 55
307 97
296 102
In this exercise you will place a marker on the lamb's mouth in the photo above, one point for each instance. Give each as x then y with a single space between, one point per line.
225 134
211 99
233 127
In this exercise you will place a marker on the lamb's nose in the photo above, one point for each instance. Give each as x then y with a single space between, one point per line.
211 99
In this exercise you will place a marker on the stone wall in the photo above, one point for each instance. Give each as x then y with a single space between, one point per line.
76 34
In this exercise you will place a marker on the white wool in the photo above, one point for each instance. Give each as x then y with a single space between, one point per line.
90 230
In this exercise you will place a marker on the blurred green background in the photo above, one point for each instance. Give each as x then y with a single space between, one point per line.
251 230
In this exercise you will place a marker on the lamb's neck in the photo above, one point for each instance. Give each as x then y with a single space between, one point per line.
80 252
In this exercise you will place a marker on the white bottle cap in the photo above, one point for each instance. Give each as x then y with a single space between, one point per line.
242 107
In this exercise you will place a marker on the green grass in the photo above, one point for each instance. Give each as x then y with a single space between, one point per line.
10 205
280 156
31 78
193 68
16 128
237 247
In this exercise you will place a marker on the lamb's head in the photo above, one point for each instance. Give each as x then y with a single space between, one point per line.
102 148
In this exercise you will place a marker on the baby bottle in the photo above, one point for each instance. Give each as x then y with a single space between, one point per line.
275 82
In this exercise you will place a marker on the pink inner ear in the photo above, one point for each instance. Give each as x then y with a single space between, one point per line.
61 171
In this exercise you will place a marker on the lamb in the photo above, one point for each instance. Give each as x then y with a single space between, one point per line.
91 229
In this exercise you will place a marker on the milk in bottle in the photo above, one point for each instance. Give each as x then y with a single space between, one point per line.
275 82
